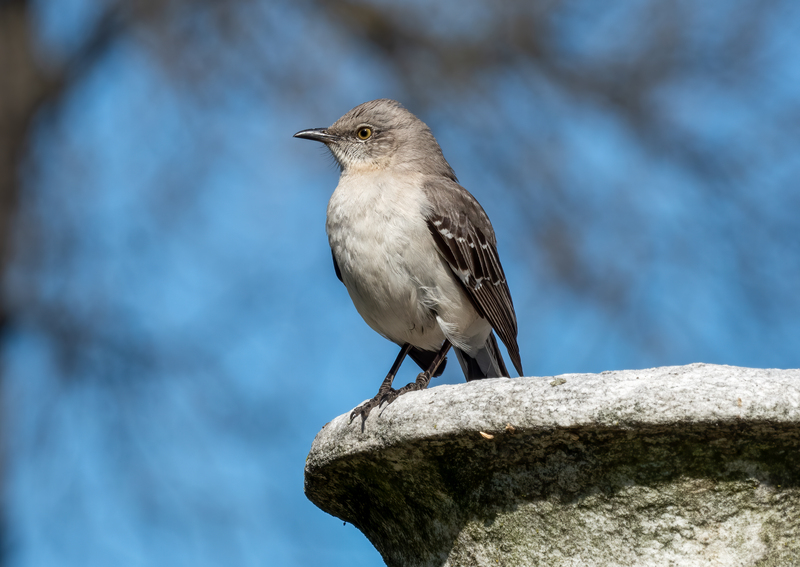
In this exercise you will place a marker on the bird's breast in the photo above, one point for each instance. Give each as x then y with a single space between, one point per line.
386 254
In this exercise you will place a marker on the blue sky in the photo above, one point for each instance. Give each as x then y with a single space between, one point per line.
181 335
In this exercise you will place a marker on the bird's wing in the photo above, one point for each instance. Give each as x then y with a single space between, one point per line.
465 238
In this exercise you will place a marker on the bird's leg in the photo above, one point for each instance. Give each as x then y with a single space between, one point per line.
423 379
386 387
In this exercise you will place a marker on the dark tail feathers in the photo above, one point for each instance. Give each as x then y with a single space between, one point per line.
488 362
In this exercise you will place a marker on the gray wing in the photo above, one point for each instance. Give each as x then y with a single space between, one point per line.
465 238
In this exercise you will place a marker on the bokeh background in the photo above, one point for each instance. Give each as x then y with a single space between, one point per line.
173 334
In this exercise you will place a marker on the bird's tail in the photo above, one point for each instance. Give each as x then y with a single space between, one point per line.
487 363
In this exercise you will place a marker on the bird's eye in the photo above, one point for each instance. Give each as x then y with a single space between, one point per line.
364 133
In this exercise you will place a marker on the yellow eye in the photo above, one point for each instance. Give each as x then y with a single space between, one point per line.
364 133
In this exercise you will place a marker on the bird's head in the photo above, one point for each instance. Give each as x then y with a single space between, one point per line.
381 134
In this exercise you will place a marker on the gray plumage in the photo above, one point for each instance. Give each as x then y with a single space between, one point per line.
414 249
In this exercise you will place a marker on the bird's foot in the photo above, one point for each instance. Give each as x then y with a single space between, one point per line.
420 383
388 395
384 395
364 409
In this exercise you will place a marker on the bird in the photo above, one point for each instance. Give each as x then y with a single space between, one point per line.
415 250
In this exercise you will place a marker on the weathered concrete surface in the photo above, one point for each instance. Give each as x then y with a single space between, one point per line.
691 465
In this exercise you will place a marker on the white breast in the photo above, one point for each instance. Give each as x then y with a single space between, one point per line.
396 278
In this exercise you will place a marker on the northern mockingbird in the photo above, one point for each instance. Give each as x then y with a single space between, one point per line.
414 249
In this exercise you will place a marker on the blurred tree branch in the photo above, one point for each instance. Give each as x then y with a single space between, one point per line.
29 86
25 87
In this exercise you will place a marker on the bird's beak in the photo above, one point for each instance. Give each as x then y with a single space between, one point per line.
318 134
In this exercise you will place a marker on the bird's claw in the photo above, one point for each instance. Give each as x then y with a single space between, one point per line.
364 409
388 395
392 395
